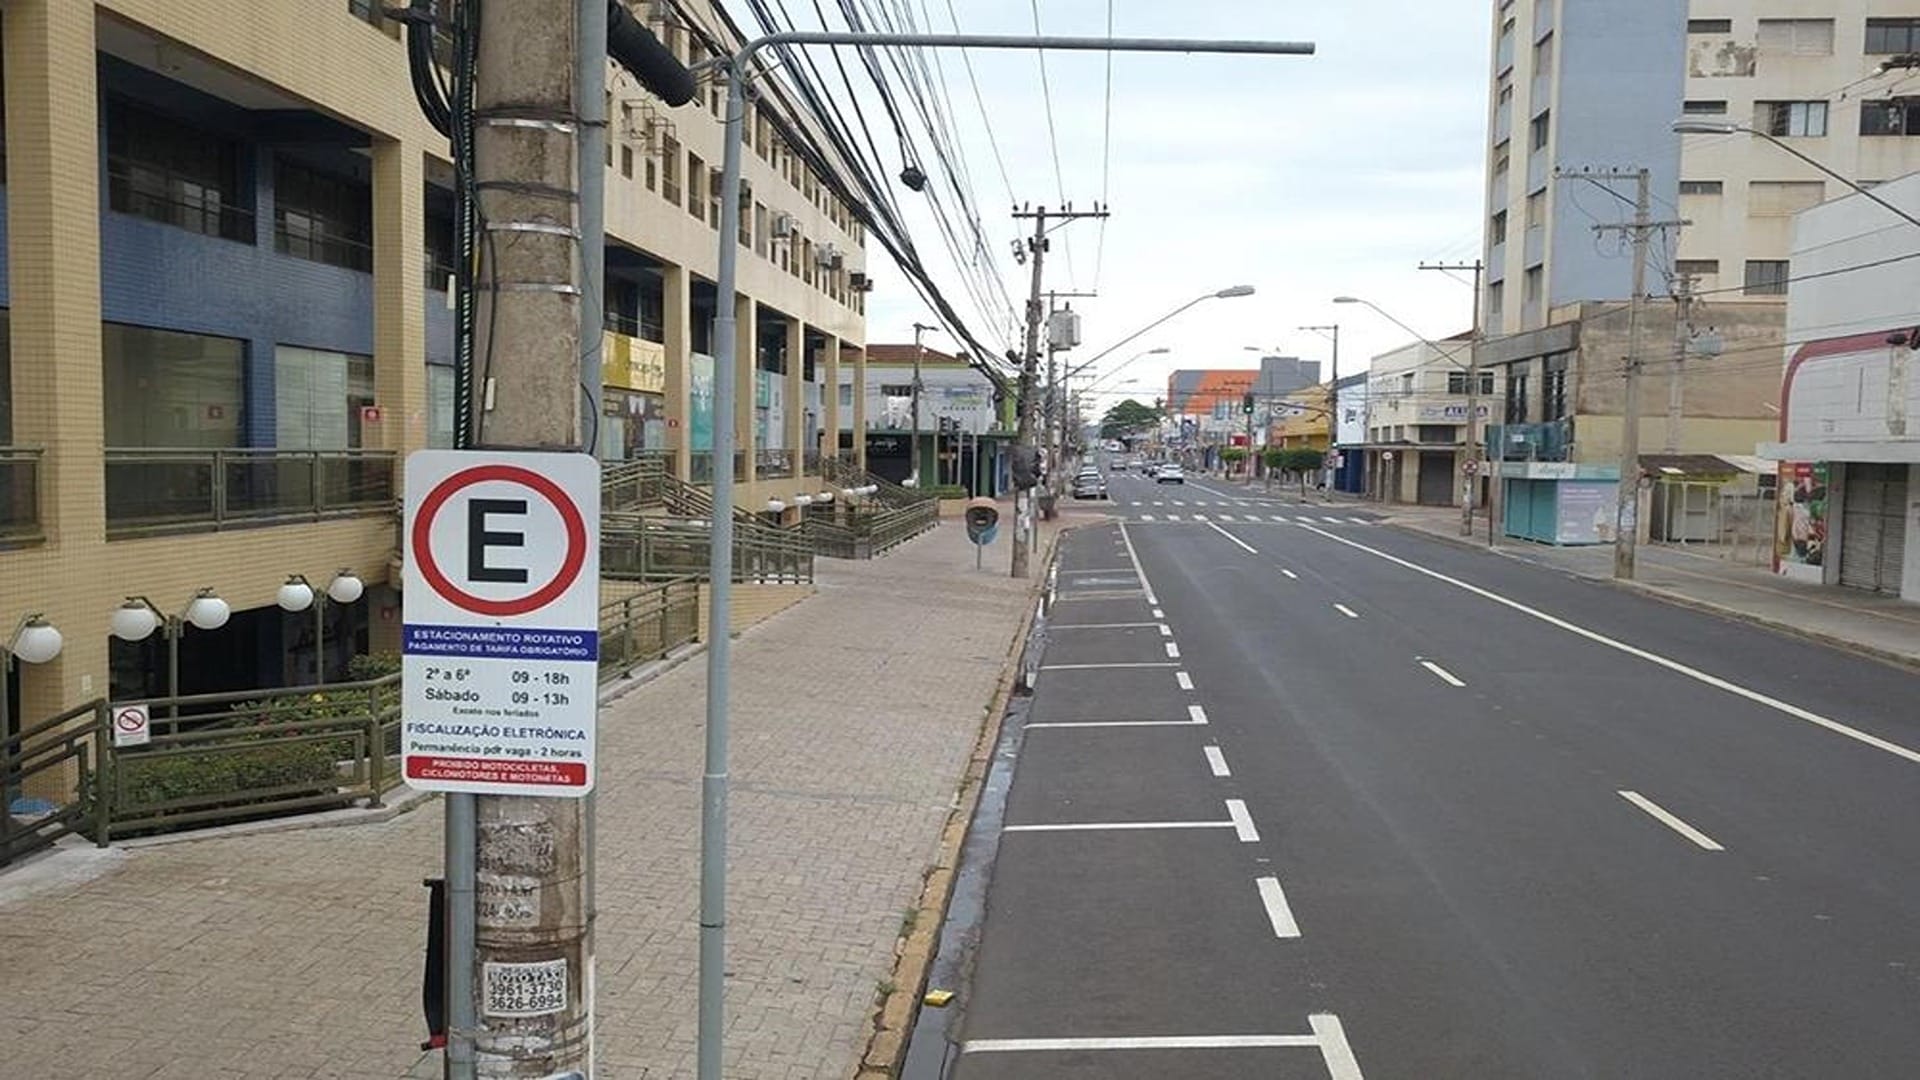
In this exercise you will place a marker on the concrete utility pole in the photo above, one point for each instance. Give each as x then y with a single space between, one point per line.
1627 509
1056 423
531 901
1676 376
1474 464
1332 332
919 356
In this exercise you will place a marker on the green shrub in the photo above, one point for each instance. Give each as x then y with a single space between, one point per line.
223 777
947 491
1233 453
371 666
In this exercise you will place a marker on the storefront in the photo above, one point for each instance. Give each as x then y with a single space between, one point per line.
1559 502
633 404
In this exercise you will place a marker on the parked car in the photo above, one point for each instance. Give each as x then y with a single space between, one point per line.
1170 474
1151 468
1089 485
1117 465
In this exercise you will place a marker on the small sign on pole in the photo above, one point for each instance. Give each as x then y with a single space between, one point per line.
132 725
500 623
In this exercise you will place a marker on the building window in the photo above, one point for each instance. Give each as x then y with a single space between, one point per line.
322 218
1543 56
367 11
1704 108
696 187
1458 381
1537 131
1516 397
1537 209
1797 37
759 229
439 407
1497 229
1782 198
439 250
670 169
1700 187
1496 302
1709 26
1696 268
174 174
1893 36
715 184
165 388
1896 116
1803 118
1531 290
746 214
626 161
1553 388
1501 154
1766 277
317 398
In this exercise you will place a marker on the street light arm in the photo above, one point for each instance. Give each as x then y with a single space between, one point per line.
1445 354
1223 294
1909 218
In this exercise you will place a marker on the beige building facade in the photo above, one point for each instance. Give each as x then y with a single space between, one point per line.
227 243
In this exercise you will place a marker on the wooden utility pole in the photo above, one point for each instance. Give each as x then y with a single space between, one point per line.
531 864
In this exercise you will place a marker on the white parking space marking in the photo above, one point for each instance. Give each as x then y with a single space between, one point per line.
1290 573
1173 652
1185 680
1347 611
1149 1042
1446 676
1190 722
1104 626
1243 544
1165 630
1332 1037
1134 558
1278 913
1660 814
1100 667
1197 714
1216 761
1242 821
1158 614
1675 666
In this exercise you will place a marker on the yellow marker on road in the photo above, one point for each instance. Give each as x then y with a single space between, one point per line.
938 998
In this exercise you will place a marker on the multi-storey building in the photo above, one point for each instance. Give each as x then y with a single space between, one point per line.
962 422
228 234
1417 408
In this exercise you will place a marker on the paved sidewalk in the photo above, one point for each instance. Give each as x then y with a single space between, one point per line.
1864 622
298 954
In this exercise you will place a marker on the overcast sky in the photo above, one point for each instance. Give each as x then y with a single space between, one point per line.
1305 177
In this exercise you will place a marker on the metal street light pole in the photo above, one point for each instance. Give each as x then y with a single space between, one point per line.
1331 331
1717 127
919 356
738 68
1230 293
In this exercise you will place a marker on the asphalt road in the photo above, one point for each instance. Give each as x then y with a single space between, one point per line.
1322 798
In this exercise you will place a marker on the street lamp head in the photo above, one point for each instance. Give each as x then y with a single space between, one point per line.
346 587
295 595
206 611
1233 291
1159 351
135 620
36 642
1692 126
1348 300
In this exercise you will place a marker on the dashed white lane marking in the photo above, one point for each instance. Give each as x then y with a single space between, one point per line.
1278 913
1173 652
1146 517
1226 517
1199 517
1134 558
1660 814
1216 761
1672 665
1360 521
1248 548
1177 502
1242 821
1334 1049
1334 520
1446 676
1197 714
1165 630
1173 517
1279 518
1347 611
1185 680
1304 520
1290 573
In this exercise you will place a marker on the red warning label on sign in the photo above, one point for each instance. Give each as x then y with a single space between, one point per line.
492 771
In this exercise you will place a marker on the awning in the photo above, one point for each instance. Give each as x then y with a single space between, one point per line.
1880 451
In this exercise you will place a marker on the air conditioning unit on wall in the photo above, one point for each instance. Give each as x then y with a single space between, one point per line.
784 226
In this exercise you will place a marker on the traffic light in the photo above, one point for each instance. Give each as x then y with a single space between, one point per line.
1246 404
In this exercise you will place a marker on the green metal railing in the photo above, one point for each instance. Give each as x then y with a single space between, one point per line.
648 548
189 490
238 756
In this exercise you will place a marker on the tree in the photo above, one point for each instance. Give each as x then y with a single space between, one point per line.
1300 460
1129 417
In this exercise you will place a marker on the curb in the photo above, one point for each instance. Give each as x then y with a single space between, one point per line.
1904 661
891 1022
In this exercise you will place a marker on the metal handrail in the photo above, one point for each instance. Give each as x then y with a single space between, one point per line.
205 496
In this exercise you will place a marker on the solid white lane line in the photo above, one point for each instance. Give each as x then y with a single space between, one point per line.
1334 1050
1098 667
1197 714
1134 558
1347 611
1173 652
1672 665
1165 630
1278 913
1115 723
1446 676
1216 761
1185 680
1145 1042
1660 814
1242 821
1248 547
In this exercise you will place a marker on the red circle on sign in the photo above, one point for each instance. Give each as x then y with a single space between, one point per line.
576 556
129 720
